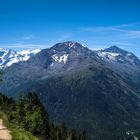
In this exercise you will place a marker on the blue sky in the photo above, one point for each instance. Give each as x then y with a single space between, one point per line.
96 23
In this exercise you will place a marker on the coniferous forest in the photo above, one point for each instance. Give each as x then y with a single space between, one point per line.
28 117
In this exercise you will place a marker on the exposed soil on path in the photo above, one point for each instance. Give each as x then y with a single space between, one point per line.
4 132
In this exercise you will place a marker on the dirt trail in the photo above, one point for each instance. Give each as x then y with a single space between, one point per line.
4 132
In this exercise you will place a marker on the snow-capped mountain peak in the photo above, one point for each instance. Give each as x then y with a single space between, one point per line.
115 49
68 45
9 57
115 54
26 54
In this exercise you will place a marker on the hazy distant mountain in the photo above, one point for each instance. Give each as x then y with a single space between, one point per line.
95 90
9 57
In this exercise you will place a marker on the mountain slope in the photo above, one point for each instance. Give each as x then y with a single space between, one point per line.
95 99
78 87
60 59
126 64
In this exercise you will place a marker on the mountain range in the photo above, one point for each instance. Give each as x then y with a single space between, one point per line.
95 90
111 54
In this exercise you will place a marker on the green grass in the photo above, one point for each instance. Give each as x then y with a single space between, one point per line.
4 118
17 133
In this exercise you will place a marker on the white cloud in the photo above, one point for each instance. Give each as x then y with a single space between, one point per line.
128 25
125 30
29 37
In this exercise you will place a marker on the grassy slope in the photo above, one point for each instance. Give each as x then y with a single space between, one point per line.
16 132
